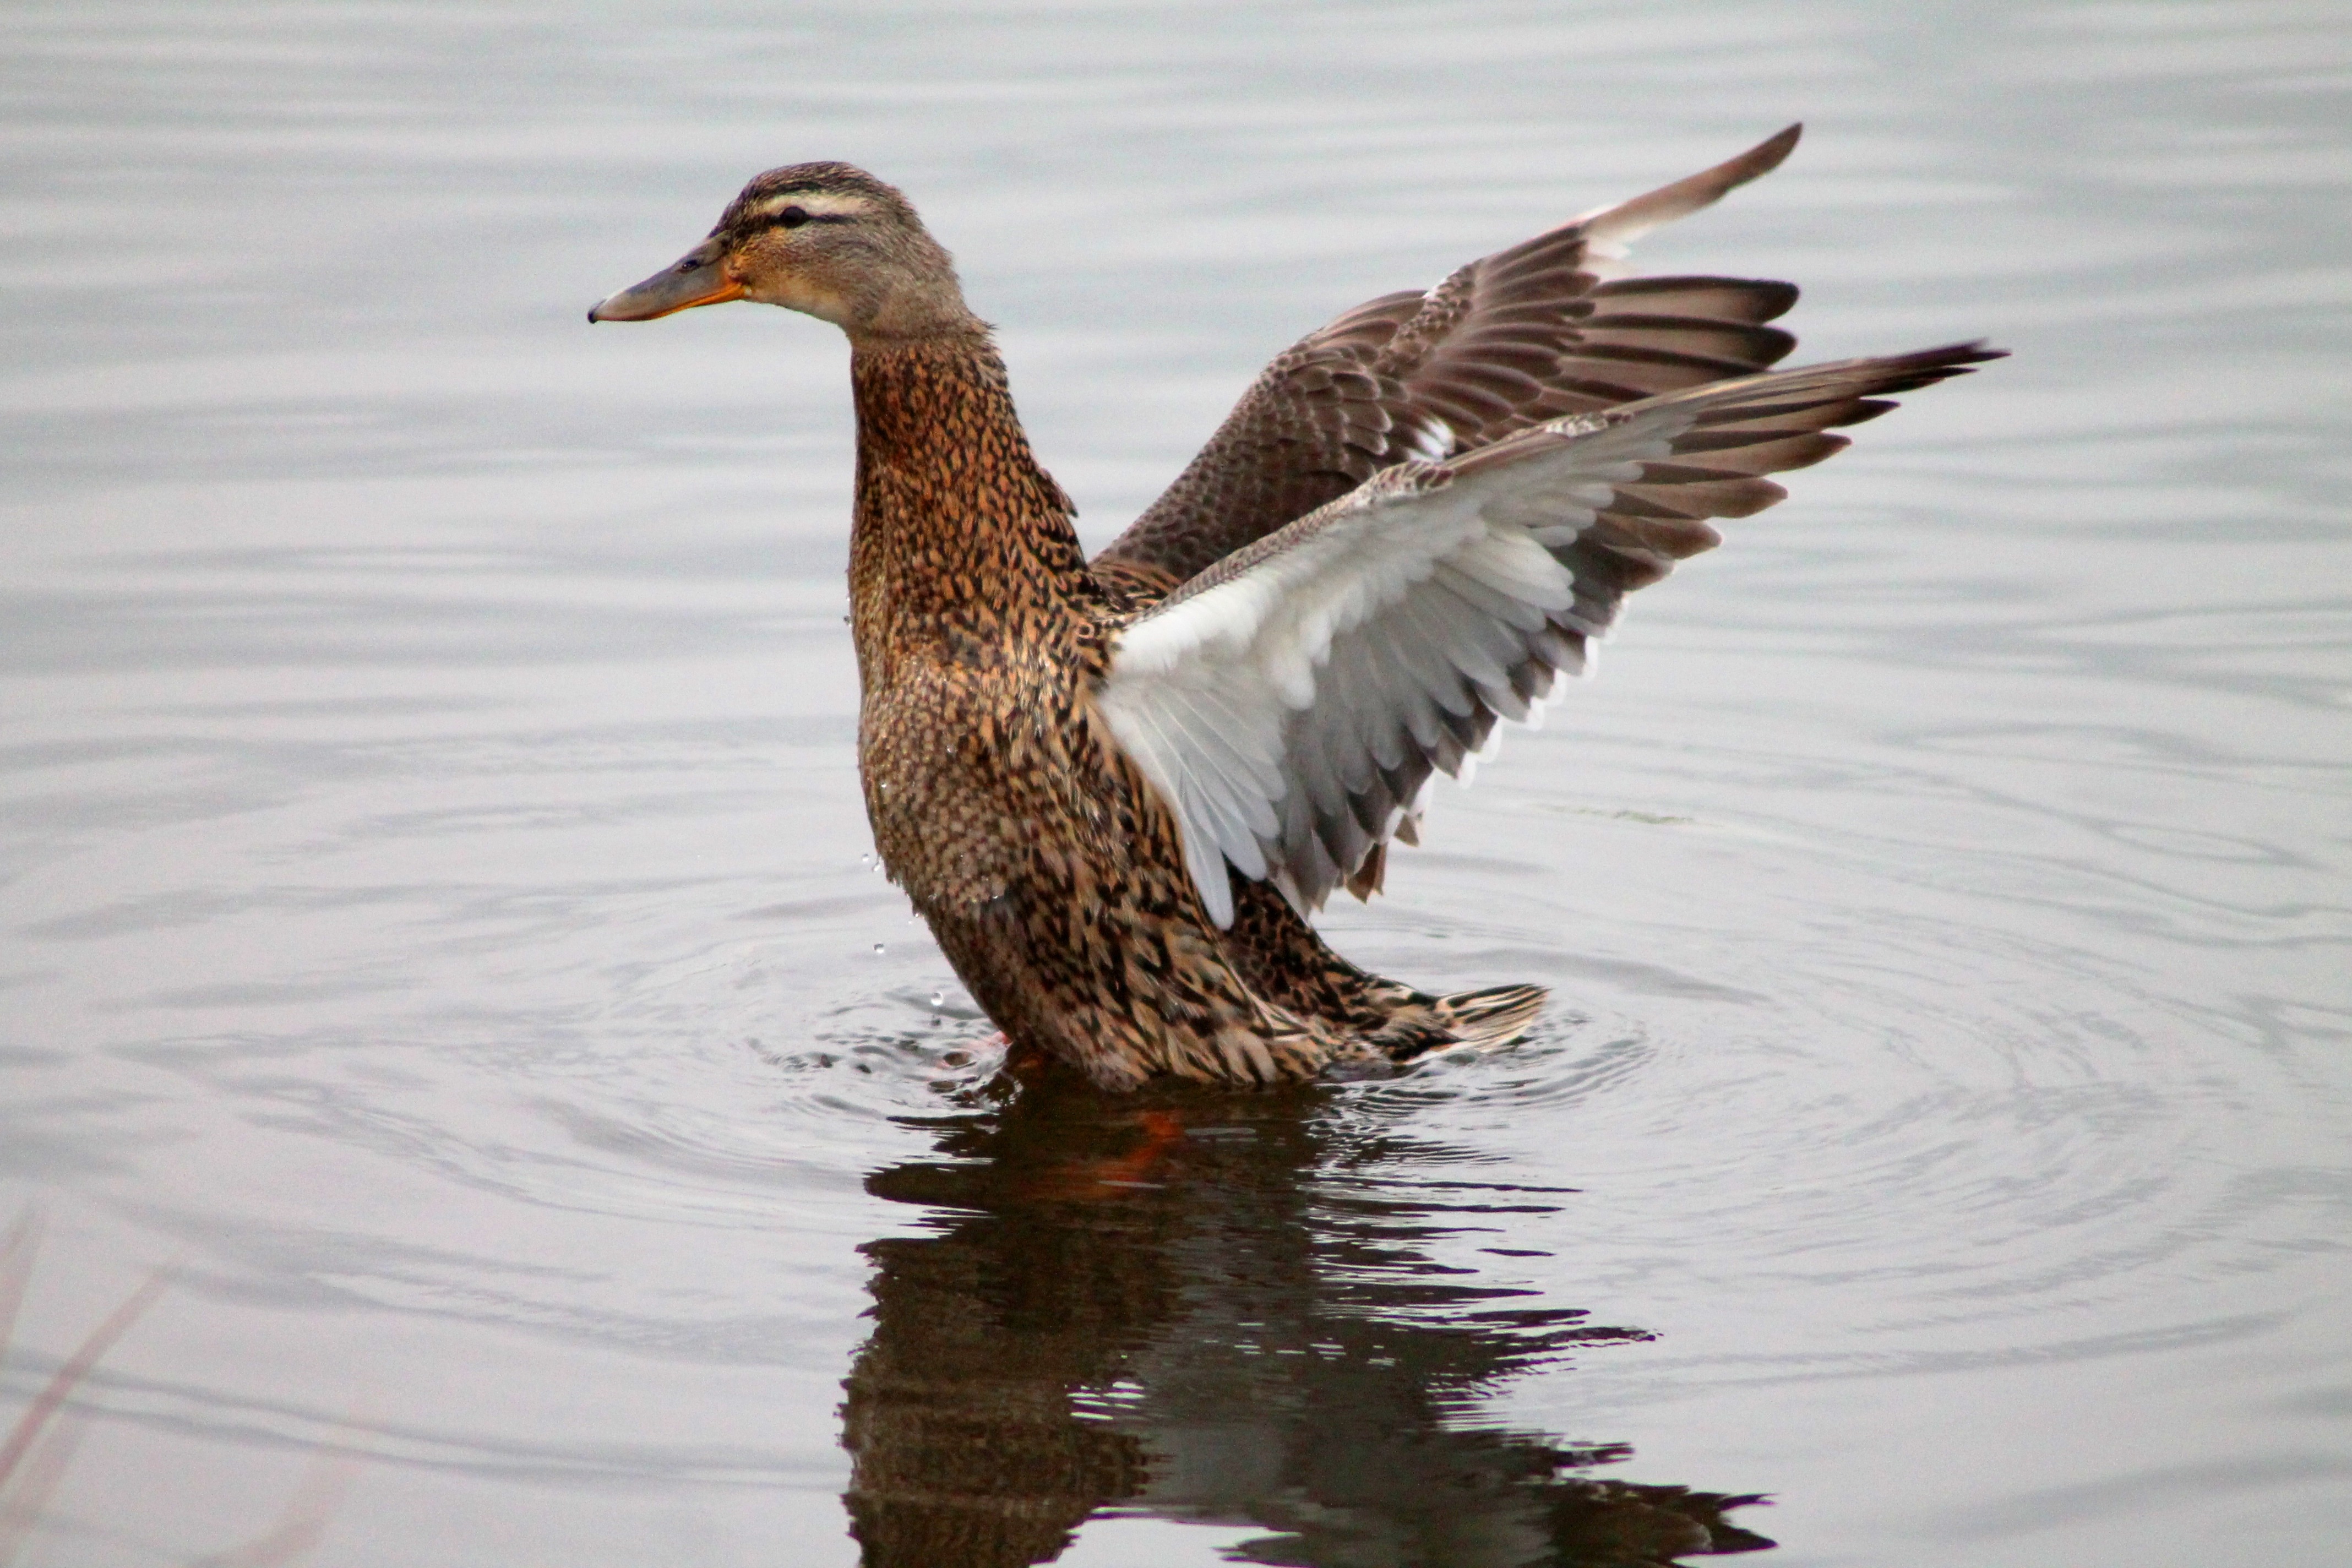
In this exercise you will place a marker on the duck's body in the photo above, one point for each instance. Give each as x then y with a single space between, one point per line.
997 802
1408 528
1052 876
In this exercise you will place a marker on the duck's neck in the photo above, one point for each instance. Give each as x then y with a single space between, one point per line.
960 536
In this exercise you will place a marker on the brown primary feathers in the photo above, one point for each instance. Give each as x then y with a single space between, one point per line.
1116 789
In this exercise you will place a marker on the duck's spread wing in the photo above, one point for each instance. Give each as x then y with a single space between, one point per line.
1525 335
1289 703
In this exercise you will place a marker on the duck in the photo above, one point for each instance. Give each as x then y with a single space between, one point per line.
1118 789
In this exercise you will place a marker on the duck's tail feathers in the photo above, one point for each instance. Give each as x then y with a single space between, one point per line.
1493 1016
1482 1020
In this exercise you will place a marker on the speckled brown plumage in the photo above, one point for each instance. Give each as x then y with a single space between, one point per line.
997 743
1037 856
1034 851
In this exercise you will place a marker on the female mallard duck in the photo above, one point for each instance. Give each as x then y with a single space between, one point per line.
1407 530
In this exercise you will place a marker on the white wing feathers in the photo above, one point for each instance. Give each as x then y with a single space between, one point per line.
1289 703
1351 634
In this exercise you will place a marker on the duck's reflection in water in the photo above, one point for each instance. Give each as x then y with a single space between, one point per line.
1221 1310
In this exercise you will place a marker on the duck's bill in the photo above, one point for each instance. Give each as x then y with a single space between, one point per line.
696 280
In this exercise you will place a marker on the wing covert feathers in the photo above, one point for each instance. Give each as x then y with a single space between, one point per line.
1290 702
1536 330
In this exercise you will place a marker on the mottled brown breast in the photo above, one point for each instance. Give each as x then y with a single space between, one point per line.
965 762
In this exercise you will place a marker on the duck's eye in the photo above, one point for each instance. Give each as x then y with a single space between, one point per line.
793 217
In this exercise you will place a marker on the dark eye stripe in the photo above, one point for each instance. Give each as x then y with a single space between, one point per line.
793 217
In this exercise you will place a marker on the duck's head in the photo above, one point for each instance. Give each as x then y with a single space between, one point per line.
823 238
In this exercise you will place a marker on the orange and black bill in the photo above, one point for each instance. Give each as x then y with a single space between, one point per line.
699 277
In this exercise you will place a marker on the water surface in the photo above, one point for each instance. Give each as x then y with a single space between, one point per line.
439 918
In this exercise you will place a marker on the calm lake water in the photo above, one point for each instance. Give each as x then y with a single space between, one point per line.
438 914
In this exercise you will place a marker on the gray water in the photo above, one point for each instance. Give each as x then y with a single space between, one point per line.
438 916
